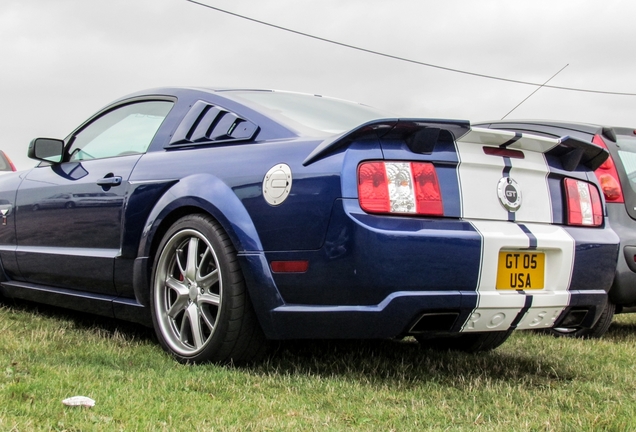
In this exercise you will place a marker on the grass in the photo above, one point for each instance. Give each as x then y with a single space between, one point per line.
533 382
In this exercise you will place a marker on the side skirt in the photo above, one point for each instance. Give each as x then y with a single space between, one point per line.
98 304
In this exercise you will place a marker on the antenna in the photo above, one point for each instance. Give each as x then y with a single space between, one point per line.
536 90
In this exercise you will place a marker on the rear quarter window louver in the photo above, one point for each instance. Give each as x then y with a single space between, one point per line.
209 124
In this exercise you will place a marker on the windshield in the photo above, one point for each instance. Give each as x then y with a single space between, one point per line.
309 114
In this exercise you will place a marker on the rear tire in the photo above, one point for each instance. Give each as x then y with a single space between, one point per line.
200 306
467 342
594 332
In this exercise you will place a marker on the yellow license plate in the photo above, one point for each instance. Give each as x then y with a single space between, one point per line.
520 270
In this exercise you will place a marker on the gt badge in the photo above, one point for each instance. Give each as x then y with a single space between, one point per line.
277 184
509 194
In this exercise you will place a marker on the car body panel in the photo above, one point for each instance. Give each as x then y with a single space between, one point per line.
69 255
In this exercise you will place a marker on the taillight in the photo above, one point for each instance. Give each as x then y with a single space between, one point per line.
583 203
399 187
608 176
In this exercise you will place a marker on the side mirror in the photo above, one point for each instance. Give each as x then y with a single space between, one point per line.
46 149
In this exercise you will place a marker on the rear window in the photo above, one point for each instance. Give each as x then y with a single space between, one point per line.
308 114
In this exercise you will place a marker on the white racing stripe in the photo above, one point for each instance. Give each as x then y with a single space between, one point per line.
479 175
498 309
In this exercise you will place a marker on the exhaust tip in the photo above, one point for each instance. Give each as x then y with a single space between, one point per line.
434 322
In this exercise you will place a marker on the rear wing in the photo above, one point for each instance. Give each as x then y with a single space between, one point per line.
421 135
571 151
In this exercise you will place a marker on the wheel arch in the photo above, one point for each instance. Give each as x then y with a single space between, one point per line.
201 193
196 194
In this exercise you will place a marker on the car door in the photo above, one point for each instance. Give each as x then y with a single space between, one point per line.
69 218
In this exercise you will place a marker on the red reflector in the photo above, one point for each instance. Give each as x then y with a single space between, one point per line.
289 266
504 152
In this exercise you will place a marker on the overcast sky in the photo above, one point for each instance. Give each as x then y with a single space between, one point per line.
62 60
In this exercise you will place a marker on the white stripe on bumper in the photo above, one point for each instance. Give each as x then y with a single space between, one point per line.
499 310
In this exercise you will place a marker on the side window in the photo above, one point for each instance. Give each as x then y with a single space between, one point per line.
125 130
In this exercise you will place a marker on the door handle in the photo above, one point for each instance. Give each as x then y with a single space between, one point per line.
109 181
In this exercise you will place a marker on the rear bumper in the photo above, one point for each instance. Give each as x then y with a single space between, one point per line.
429 312
382 277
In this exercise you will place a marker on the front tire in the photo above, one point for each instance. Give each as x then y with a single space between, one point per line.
200 306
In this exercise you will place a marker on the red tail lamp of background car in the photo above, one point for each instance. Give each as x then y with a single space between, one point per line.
608 176
399 187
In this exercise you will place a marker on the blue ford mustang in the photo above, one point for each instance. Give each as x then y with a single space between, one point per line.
225 218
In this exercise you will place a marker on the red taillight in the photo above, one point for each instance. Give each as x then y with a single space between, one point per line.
608 176
583 203
427 195
399 187
372 188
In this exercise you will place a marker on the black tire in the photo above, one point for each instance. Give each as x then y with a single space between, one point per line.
69 205
467 342
594 332
200 306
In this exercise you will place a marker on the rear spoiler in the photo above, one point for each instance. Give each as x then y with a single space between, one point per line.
420 135
571 151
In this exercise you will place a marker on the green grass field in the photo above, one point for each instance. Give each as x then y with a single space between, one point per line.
533 382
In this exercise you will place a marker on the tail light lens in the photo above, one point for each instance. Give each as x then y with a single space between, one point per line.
583 203
399 187
608 176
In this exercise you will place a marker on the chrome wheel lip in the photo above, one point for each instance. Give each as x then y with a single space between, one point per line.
187 310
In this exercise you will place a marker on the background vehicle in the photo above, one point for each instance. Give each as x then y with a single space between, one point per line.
242 215
617 178
5 163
